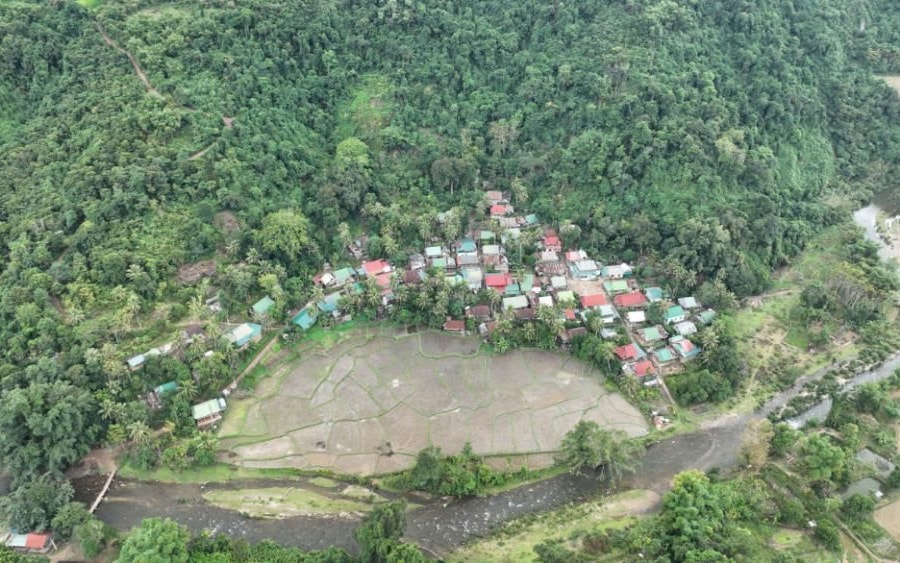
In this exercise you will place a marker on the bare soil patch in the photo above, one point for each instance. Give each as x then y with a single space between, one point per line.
369 406
192 273
888 517
892 81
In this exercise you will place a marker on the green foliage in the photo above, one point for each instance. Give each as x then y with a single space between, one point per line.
783 440
45 427
553 552
828 535
857 507
587 447
822 460
91 536
67 518
461 475
156 540
33 505
379 535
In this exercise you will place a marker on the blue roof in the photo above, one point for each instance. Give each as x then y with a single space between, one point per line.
305 319
654 293
330 303
466 245
136 361
531 219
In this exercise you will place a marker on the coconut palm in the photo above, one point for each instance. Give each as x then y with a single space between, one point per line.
139 433
187 389
587 447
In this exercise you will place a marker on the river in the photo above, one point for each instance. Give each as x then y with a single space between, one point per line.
440 525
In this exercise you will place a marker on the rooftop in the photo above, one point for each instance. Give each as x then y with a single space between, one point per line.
263 306
208 408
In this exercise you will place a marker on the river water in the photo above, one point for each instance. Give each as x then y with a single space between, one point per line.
441 525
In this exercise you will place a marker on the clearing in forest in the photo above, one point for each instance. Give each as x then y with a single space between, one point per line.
368 405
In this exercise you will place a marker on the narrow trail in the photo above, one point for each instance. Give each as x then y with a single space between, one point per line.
201 152
253 363
137 68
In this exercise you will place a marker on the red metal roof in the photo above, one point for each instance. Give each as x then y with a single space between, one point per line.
36 541
498 209
635 299
642 368
627 352
455 326
570 314
376 266
495 280
552 241
383 280
594 300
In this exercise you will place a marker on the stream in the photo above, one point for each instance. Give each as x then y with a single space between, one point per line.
440 525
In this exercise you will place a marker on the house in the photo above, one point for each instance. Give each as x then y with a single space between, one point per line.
576 331
306 318
190 333
551 241
455 326
468 259
566 296
664 355
494 197
545 301
629 352
558 282
499 210
517 302
244 334
705 317
556 268
329 305
607 313
474 278
675 314
162 390
642 369
413 277
527 284
636 317
652 334
525 314
487 237
208 412
633 300
615 287
546 256
375 267
508 223
30 543
136 362
432 252
573 256
466 245
263 306
616 272
417 261
654 294
569 314
685 328
510 235
491 250
608 334
593 300
444 263
497 282
355 249
512 288
479 312
531 220
688 303
584 270
684 347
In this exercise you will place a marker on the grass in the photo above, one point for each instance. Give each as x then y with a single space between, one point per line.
274 502
218 473
89 3
368 109
323 482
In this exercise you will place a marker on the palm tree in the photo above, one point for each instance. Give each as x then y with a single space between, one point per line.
187 389
139 433
111 410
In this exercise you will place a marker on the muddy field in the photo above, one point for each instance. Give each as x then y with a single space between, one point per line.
368 405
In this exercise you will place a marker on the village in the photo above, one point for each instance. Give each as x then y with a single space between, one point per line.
584 294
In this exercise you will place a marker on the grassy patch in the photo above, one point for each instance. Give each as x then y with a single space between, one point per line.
218 473
89 3
323 482
280 502
367 110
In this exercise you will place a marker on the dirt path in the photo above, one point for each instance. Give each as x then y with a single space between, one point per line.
200 153
252 364
137 68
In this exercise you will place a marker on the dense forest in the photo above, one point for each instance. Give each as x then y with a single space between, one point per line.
713 138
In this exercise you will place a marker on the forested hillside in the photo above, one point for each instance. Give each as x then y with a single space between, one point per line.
714 137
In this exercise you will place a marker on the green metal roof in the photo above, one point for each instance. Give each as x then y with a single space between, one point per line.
616 286
342 275
208 408
652 334
565 296
305 319
664 355
674 312
654 293
487 235
264 305
169 387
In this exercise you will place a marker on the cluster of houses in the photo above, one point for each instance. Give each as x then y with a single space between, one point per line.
31 543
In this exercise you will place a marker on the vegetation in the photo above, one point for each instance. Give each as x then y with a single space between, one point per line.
587 447
461 475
